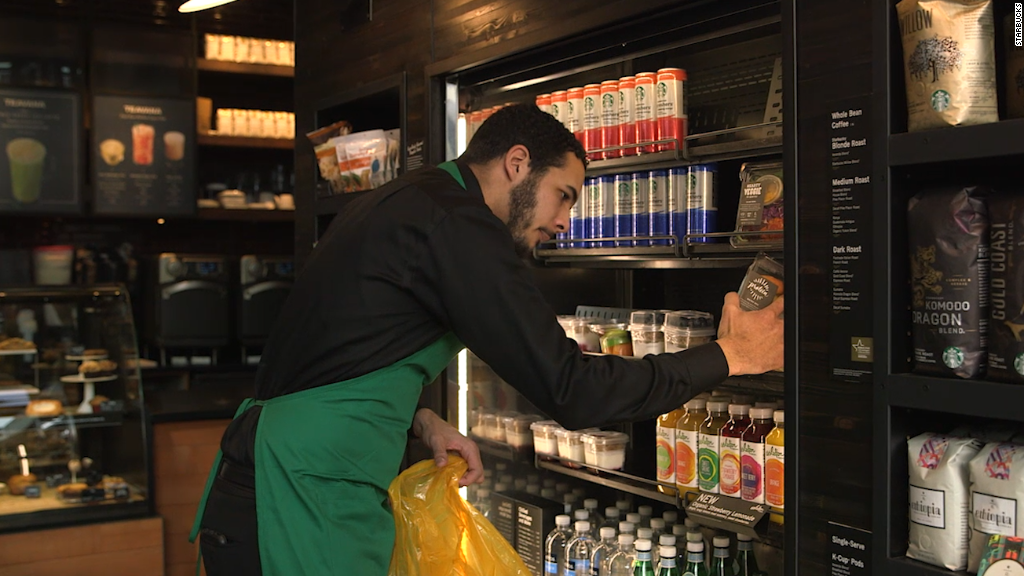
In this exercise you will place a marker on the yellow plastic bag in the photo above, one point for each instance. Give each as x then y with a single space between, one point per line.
437 533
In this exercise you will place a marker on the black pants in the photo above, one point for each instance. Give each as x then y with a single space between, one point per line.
228 538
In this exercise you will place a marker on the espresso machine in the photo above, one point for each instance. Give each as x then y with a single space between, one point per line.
189 305
264 285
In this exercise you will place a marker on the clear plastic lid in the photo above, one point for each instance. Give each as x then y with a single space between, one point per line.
521 424
739 409
721 541
546 427
646 320
571 436
690 320
600 328
505 418
718 407
489 420
779 416
573 324
696 404
606 439
761 413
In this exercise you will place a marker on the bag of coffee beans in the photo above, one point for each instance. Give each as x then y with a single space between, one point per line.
949 266
949 62
940 499
1006 328
997 496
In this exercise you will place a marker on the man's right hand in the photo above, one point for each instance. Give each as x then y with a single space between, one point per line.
753 342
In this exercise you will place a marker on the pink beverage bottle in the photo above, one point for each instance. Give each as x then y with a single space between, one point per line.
575 112
610 117
592 120
543 102
646 122
671 107
730 478
559 107
752 454
627 114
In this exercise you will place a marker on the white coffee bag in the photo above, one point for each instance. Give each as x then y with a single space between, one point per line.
940 498
997 496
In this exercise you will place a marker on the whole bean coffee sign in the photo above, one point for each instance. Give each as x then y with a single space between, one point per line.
143 152
40 152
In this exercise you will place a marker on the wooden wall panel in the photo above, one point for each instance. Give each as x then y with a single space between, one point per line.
131 547
183 453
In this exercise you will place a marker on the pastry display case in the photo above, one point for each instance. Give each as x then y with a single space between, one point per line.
72 426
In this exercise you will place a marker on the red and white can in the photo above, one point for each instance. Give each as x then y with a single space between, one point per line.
627 114
592 119
646 121
560 107
672 108
610 117
544 103
475 120
575 106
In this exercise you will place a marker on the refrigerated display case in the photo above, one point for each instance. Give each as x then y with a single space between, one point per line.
73 442
733 58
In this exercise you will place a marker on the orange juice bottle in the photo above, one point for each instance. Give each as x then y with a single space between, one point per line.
666 450
775 467
687 431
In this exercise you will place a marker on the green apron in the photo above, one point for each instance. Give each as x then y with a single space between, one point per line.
324 459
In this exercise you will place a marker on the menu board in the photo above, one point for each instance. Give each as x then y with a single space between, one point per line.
143 152
40 166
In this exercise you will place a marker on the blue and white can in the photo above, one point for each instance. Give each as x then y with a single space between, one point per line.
702 201
677 191
657 206
624 206
578 219
601 210
641 206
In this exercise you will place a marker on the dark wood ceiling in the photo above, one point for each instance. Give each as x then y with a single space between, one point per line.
259 18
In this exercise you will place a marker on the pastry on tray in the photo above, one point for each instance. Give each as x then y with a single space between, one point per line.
19 482
94 352
44 408
72 491
97 368
16 344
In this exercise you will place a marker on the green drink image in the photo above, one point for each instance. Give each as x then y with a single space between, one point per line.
26 157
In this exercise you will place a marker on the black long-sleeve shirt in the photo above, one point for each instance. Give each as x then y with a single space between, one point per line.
420 257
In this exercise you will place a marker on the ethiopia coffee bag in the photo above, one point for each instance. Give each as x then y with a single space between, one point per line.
997 496
1006 326
949 267
940 483
949 62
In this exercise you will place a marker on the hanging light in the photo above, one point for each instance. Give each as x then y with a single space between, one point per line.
197 5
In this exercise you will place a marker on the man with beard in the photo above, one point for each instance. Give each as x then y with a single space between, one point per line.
404 278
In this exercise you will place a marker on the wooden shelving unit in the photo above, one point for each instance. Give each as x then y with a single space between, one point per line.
245 142
223 67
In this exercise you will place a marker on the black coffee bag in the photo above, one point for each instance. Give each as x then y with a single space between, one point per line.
1006 329
949 262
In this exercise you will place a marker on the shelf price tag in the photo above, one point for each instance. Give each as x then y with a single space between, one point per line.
725 513
849 550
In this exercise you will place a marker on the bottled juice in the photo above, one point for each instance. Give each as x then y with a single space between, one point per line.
752 454
687 433
708 441
730 479
775 467
666 449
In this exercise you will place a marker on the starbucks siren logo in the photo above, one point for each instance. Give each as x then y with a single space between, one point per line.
953 357
641 94
662 89
1018 364
940 100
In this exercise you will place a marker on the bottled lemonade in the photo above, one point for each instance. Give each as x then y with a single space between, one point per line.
775 467
752 455
666 450
687 432
708 446
729 449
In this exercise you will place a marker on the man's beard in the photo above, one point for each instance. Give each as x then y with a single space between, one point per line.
522 205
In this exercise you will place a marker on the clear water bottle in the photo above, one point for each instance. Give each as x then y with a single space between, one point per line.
623 506
605 548
679 531
634 519
620 563
612 517
628 528
671 518
645 516
658 527
570 502
582 515
644 566
580 550
554 546
591 505
668 566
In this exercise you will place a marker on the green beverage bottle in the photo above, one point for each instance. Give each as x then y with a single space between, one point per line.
746 564
708 447
667 566
643 565
722 565
695 560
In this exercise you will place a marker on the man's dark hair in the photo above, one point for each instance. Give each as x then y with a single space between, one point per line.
543 135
